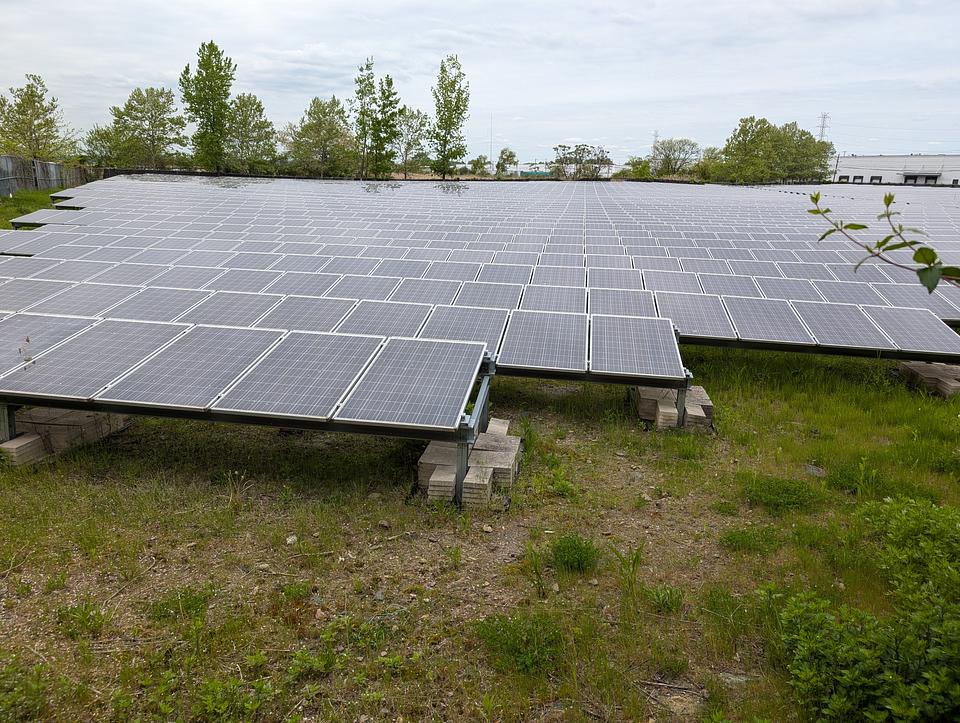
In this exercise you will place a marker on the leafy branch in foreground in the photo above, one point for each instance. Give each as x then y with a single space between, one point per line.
931 270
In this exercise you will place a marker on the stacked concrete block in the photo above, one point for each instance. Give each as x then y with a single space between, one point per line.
659 407
940 379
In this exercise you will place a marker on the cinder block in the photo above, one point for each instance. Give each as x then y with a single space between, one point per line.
498 426
940 379
659 407
442 483
61 429
23 449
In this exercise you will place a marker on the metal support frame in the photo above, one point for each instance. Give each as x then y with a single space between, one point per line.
8 422
682 400
470 426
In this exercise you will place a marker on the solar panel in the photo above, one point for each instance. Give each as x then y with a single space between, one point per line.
18 294
849 292
243 280
157 256
613 278
841 325
24 336
465 323
570 299
302 284
430 393
194 370
915 296
696 316
404 268
917 330
791 289
186 277
230 308
767 320
307 314
706 266
506 273
656 263
490 296
376 288
559 276
311 264
545 340
453 270
20 267
730 284
799 270
80 367
634 346
385 318
157 304
754 268
622 302
426 291
304 376
132 274
253 260
85 299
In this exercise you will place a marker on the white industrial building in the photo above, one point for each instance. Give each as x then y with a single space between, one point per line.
913 170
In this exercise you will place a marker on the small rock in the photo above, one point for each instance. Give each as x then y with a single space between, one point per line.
815 471
292 540
319 614
378 595
384 524
621 454
488 529
594 581
556 587
263 566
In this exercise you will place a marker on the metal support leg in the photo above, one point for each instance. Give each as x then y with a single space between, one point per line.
463 456
8 422
681 405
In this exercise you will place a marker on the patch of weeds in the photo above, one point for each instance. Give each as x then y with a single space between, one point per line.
86 619
22 588
23 691
664 598
57 581
296 592
628 570
866 482
527 642
255 662
667 659
761 540
231 699
725 618
725 507
533 564
777 494
307 665
454 556
574 553
560 485
182 603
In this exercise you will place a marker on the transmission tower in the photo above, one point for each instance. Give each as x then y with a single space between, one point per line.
824 125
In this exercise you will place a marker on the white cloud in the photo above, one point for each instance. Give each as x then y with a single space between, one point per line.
546 70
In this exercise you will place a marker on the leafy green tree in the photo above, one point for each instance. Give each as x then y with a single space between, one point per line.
32 126
801 157
206 96
579 162
479 165
364 107
751 151
412 128
150 126
636 169
105 146
451 97
385 129
673 156
711 166
251 141
320 143
505 161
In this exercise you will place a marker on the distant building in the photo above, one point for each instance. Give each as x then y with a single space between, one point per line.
912 170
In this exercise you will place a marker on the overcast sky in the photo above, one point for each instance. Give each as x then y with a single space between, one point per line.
887 71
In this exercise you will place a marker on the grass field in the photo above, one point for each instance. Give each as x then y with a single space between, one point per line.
21 203
193 571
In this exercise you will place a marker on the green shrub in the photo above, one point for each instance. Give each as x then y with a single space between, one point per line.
231 699
664 598
306 664
526 642
777 494
762 540
574 553
86 619
23 691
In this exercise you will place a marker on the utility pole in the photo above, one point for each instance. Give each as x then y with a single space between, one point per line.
824 125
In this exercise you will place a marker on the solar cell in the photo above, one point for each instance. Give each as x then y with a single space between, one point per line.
622 302
559 276
634 346
766 320
685 282
186 277
243 280
302 284
404 268
570 299
304 313
841 325
849 292
385 318
464 323
71 271
24 336
506 273
18 294
545 340
194 370
915 296
311 264
696 316
453 270
132 274
84 299
304 376
426 291
80 367
158 304
376 288
489 296
157 256
916 330
730 284
431 392
253 260
791 289
613 278
229 308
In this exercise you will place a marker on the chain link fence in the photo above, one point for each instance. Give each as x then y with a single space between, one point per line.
17 174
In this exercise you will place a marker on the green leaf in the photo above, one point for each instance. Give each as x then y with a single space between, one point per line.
827 233
901 245
855 226
952 272
925 255
815 197
888 199
930 277
884 241
815 211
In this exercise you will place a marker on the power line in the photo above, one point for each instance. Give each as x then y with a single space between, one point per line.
824 124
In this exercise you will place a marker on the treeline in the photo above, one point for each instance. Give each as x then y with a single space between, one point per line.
757 151
370 135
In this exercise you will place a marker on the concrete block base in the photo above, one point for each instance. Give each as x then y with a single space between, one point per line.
940 379
659 407
43 431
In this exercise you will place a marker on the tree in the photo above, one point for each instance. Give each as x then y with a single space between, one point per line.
363 106
105 146
384 130
478 166
580 162
711 166
149 125
506 160
206 96
412 128
451 97
251 141
636 169
320 142
673 156
32 126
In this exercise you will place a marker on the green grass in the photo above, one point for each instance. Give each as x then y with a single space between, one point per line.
23 202
150 576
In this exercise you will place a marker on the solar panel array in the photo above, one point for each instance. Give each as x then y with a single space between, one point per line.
558 279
